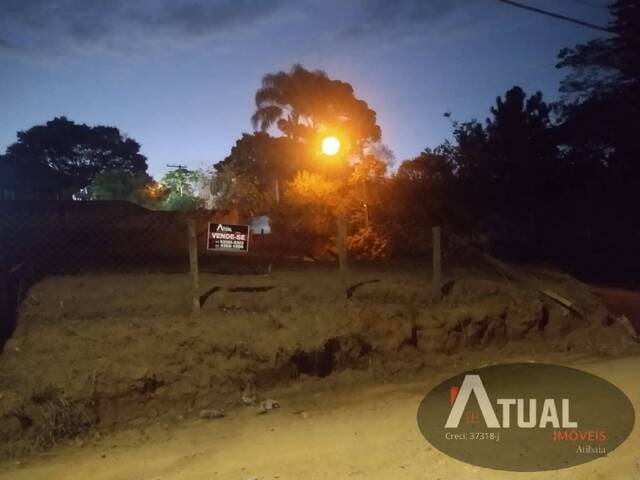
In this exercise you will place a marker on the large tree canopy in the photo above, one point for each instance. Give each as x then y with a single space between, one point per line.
606 64
76 152
302 102
603 93
263 157
249 178
521 148
509 165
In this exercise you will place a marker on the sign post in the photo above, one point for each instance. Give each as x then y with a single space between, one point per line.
193 267
437 265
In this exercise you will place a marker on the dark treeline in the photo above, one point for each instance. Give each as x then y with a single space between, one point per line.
561 180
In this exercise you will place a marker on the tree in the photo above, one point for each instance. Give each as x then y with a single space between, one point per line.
123 186
250 178
606 64
312 201
599 142
307 105
183 187
521 147
415 196
471 162
285 178
509 167
202 187
423 183
240 192
302 103
118 185
264 158
76 152
602 97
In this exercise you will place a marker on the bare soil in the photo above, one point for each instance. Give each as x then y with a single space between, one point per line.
102 360
348 425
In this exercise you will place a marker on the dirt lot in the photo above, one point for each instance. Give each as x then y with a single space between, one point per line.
343 426
118 356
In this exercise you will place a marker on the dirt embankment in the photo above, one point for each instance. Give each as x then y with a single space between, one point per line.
102 352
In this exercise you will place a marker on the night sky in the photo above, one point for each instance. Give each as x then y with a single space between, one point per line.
180 76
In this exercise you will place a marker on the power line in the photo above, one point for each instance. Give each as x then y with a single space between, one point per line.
556 15
591 4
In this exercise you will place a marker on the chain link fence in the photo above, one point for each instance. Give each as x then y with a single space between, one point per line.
39 241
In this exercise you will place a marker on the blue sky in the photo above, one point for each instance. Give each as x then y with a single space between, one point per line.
180 76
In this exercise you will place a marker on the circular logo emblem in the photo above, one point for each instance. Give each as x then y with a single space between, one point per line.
526 417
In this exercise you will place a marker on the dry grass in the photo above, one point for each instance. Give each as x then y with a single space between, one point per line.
58 418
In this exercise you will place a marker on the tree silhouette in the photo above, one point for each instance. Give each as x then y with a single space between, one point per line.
75 152
417 195
599 143
603 90
302 102
263 157
606 64
250 178
509 167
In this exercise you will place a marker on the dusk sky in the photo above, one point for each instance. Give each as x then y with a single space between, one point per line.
180 76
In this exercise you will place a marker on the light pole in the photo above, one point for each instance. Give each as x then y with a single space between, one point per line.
331 146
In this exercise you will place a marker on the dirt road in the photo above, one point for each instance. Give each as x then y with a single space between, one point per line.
334 428
621 302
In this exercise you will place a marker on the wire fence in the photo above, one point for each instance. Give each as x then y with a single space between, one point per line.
36 243
39 241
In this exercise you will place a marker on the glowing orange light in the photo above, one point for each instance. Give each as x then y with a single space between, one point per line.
154 189
330 146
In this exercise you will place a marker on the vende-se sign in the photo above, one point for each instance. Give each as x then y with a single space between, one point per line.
222 237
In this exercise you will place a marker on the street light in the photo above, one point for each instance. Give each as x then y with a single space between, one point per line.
330 146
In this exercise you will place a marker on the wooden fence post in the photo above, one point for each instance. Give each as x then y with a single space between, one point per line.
342 244
193 267
437 265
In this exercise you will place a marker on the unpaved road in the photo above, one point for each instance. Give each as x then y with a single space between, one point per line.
346 431
621 301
